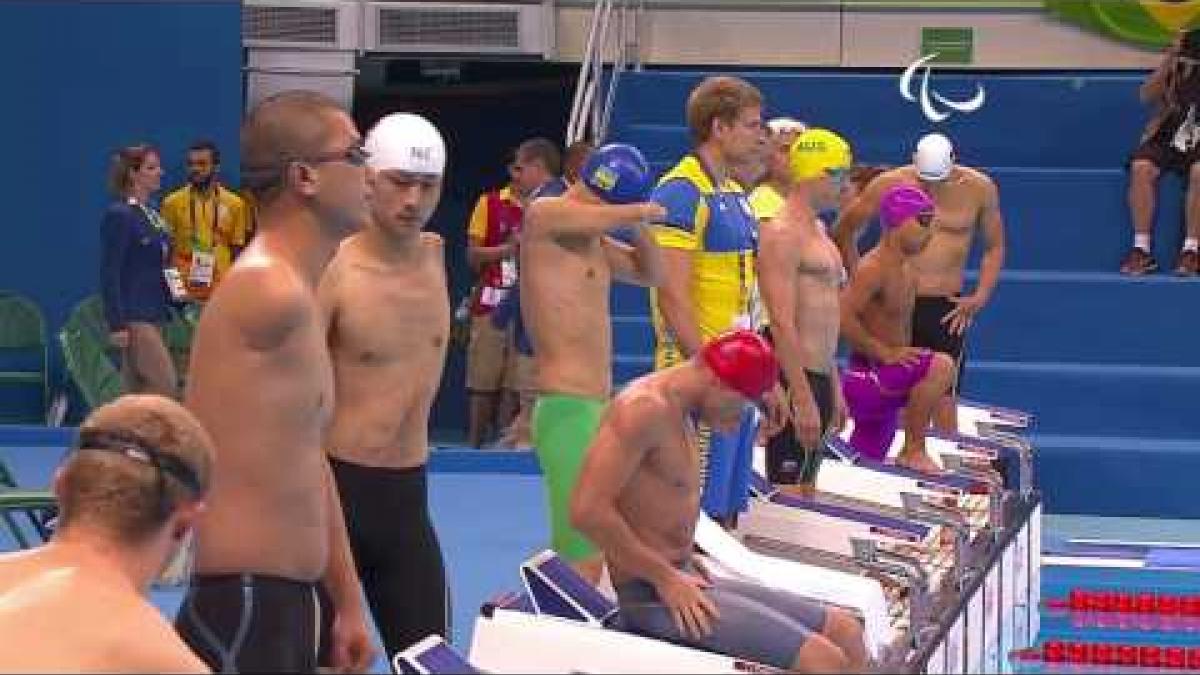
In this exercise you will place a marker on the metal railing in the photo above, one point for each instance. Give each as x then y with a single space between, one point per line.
613 46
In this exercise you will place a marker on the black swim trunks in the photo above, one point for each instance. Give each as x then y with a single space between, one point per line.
929 332
396 551
249 623
788 461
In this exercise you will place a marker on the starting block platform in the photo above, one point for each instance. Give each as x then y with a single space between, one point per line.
943 570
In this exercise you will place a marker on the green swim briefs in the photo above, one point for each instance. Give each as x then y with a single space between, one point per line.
563 428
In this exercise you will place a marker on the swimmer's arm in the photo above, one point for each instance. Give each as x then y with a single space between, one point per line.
864 285
327 297
851 221
675 300
615 454
640 264
777 281
993 245
266 305
555 216
159 649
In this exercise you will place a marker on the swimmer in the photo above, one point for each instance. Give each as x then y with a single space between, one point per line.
638 498
885 373
967 202
388 309
800 273
568 262
129 493
262 384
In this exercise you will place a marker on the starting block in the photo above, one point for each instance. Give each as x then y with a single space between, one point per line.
431 656
561 624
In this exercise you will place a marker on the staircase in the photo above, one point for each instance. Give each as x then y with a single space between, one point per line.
1110 365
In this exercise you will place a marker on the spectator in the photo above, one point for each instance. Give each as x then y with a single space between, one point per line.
131 492
137 282
1170 142
498 377
708 241
208 222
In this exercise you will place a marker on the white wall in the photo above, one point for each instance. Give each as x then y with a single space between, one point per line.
854 38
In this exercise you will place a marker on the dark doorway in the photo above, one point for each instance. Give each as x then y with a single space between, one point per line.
484 108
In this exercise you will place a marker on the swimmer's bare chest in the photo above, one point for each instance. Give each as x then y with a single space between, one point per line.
665 496
388 317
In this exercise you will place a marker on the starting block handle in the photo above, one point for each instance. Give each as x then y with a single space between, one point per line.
920 607
1024 450
917 508
996 491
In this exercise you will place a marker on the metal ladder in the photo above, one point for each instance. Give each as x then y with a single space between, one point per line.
613 46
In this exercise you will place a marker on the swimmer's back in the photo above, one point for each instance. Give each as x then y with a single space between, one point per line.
261 383
61 621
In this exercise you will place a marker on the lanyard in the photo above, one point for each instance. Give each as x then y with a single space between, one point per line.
216 213
157 223
743 255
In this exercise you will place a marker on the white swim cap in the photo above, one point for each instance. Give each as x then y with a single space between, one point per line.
934 158
786 125
406 142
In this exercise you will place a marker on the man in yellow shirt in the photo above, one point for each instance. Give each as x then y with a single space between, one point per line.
208 223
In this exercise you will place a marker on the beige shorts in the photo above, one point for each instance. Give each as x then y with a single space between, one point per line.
493 362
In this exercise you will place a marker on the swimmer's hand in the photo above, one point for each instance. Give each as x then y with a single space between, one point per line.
352 651
837 423
776 409
807 421
905 356
963 314
652 212
690 607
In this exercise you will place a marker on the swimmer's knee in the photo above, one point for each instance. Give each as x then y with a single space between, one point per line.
942 367
1144 170
820 655
846 632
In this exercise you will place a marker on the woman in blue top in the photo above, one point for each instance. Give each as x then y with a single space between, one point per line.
135 273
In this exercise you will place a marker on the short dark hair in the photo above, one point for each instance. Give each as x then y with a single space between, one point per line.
281 129
576 156
203 145
544 151
127 159
128 496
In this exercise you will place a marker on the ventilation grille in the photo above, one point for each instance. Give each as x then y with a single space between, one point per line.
450 28
459 27
292 25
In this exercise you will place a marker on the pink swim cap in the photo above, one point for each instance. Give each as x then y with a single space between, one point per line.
902 202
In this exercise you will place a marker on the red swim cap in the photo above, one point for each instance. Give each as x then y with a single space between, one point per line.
743 361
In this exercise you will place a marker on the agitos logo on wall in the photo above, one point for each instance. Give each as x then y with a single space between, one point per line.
1149 23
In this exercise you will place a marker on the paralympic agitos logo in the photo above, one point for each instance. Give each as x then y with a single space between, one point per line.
928 97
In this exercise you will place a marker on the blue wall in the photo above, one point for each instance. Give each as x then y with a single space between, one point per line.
82 79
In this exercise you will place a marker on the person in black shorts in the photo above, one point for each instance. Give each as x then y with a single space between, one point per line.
800 274
1170 142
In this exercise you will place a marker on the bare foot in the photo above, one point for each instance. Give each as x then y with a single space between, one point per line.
918 460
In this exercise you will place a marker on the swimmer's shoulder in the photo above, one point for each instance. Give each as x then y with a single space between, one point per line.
145 642
265 299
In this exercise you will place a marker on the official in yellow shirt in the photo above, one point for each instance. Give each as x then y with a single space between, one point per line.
208 223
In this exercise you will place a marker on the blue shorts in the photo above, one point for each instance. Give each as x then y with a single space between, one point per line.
729 464
754 622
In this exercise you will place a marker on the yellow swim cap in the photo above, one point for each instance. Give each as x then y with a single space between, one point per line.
816 151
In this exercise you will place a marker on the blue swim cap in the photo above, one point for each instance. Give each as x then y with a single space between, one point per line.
618 173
